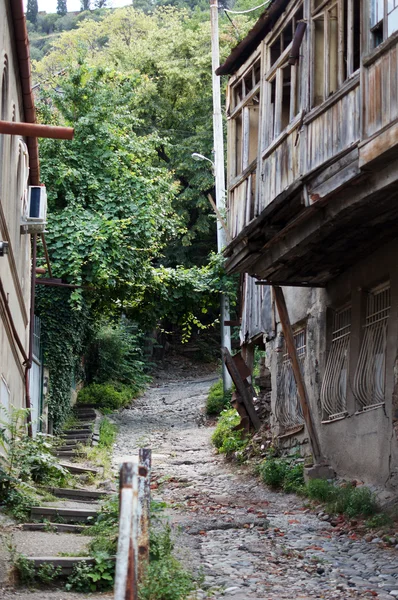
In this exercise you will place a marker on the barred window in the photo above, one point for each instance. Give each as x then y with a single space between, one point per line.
334 385
369 379
288 408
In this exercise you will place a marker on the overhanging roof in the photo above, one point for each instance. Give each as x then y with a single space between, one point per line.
247 46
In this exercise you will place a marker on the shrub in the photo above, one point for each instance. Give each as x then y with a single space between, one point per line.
379 521
273 472
226 438
348 500
294 479
92 578
107 433
166 580
110 395
116 355
217 401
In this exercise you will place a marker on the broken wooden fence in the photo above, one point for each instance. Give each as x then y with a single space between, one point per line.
133 541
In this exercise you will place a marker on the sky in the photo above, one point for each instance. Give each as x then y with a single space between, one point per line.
51 5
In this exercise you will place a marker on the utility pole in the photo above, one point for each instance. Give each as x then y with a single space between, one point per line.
219 175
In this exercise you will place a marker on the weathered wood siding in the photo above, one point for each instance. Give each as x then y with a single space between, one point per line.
256 311
241 204
380 91
280 167
332 130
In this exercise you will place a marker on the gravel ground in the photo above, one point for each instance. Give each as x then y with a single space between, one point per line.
249 542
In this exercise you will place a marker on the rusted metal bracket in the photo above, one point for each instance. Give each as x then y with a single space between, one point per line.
239 372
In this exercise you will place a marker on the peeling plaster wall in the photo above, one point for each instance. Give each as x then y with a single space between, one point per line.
364 444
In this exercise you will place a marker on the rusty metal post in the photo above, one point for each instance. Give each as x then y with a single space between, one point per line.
144 506
127 549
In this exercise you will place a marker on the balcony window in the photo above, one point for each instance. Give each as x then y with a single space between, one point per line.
383 20
336 46
282 81
244 124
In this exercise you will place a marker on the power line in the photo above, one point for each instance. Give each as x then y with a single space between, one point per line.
243 12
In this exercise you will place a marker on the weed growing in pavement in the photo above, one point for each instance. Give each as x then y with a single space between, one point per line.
92 577
226 437
379 521
107 434
348 500
282 473
217 400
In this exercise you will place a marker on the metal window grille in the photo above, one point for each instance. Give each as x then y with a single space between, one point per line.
288 408
334 385
369 379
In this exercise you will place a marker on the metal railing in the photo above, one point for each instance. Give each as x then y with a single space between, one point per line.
134 516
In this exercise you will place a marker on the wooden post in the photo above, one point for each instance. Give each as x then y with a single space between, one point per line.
127 548
301 389
144 504
242 387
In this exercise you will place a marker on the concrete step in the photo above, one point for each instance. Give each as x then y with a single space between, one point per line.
65 562
66 453
58 527
77 436
67 447
69 515
78 469
78 431
78 494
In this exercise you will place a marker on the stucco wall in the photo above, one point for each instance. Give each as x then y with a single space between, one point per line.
363 444
14 268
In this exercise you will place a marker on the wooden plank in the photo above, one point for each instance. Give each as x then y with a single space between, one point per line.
242 388
301 388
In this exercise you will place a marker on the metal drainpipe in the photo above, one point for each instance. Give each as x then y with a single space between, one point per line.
31 326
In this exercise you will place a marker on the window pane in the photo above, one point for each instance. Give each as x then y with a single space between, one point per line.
393 21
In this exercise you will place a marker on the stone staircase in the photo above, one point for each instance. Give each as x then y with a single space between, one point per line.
57 527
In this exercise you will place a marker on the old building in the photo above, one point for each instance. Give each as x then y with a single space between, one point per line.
19 167
312 108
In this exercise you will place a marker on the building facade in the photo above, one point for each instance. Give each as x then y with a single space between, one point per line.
312 108
18 167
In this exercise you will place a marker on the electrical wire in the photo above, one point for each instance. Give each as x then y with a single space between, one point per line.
243 12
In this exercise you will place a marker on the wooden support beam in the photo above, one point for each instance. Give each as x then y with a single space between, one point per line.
301 388
36 130
242 387
307 284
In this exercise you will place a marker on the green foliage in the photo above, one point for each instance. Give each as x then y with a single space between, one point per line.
27 573
217 401
379 521
107 434
92 578
111 395
226 438
320 489
116 354
282 473
348 500
165 580
105 529
62 8
64 333
32 10
25 461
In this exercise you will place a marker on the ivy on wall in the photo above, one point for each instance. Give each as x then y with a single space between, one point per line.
64 332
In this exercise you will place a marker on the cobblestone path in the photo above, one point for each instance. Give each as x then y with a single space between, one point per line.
249 542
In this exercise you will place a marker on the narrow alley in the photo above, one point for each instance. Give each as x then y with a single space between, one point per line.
247 541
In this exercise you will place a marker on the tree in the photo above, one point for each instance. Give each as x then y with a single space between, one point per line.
32 11
85 5
100 3
62 8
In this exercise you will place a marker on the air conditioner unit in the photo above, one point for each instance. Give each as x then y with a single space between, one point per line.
35 210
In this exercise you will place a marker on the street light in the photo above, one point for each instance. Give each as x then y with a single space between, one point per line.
222 236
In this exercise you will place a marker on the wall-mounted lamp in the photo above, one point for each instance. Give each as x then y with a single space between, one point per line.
3 248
